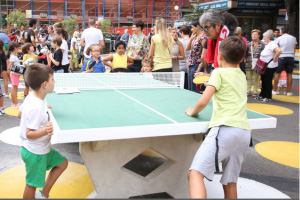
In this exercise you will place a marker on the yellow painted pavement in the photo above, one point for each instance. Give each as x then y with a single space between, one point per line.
285 153
285 98
75 182
12 111
269 109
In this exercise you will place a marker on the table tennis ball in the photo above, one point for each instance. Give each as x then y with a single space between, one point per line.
176 8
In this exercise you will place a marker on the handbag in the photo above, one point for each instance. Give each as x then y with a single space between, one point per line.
254 60
261 66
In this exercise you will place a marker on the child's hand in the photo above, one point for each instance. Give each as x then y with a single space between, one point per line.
49 106
49 128
196 74
190 112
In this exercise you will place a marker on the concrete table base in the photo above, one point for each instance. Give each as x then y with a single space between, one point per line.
105 160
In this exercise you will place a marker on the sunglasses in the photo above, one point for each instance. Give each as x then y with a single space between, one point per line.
205 28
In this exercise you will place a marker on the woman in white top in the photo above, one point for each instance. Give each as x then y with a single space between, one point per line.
74 50
270 52
64 47
185 37
177 51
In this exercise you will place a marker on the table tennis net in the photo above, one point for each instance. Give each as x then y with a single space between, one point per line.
98 81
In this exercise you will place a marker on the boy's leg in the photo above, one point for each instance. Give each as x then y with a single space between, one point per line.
1 101
53 176
230 191
284 90
5 81
279 88
196 185
26 91
29 192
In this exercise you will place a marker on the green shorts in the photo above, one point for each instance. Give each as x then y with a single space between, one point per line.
37 165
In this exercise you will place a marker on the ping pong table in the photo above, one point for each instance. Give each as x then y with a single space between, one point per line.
119 117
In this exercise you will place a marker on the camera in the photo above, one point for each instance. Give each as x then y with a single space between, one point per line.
18 69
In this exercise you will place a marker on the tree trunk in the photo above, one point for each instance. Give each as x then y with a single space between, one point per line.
292 8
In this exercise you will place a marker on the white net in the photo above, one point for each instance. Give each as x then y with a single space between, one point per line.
101 81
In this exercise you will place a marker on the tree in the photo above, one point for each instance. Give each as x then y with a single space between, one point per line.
292 9
3 21
16 17
105 25
194 15
70 24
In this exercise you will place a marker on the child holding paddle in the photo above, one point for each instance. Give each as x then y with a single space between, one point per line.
229 131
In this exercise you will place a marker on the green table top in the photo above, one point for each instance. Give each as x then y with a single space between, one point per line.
109 108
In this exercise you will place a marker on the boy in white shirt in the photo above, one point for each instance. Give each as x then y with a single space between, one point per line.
36 131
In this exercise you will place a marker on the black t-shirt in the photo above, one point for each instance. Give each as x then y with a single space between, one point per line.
58 55
13 31
27 35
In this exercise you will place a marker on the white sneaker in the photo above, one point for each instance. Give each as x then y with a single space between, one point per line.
2 111
266 100
289 94
6 95
274 92
39 195
15 105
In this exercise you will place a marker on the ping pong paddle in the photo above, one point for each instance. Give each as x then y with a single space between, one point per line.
92 64
200 79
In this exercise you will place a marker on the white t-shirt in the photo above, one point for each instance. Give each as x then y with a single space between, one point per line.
91 36
268 53
15 60
64 46
287 44
34 116
76 44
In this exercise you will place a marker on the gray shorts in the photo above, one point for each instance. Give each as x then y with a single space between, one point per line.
233 143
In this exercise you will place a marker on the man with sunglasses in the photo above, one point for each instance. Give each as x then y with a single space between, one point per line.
213 23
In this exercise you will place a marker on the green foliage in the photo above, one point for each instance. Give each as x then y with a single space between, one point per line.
194 15
105 25
70 25
3 20
16 17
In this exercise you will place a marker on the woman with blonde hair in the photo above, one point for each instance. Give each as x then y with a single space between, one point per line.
177 51
74 50
160 49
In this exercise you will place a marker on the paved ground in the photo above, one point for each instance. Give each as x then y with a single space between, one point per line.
255 167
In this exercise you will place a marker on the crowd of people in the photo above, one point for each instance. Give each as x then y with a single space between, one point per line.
213 46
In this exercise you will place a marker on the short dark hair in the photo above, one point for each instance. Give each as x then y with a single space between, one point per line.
285 30
32 22
185 29
139 23
36 74
195 22
120 42
233 49
26 48
276 30
57 40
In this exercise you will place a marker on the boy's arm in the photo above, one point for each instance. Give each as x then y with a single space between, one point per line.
33 134
56 63
19 115
202 102
129 61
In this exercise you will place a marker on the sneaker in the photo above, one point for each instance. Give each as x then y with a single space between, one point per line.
2 110
16 105
289 94
284 93
266 100
39 195
6 95
275 92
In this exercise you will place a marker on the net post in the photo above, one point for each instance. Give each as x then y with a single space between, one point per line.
182 79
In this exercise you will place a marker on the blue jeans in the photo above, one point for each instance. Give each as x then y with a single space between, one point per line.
191 85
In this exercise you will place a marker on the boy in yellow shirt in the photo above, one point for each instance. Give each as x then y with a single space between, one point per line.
27 51
229 135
